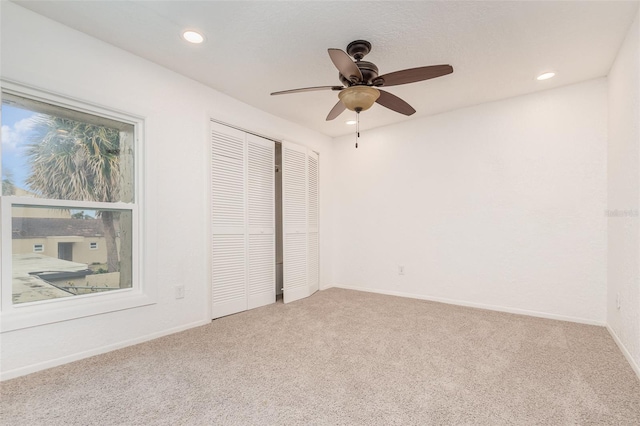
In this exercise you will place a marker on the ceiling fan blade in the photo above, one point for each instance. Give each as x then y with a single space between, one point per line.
394 103
412 75
308 89
336 110
345 65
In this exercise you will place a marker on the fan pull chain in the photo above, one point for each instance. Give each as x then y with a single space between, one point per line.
357 127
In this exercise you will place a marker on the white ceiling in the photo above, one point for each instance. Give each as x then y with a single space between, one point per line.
254 48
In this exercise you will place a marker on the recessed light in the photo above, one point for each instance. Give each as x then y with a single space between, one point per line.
351 122
546 76
193 37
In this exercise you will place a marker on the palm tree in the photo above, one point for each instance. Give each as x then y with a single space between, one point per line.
8 187
77 161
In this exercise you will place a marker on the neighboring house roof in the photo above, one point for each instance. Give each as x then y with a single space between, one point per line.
29 288
37 227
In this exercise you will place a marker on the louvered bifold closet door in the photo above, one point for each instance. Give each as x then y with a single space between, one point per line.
294 221
261 221
313 252
228 182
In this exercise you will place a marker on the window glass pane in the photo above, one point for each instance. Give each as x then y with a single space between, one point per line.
53 152
67 266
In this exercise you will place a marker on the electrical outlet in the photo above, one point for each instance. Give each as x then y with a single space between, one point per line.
400 270
179 292
618 301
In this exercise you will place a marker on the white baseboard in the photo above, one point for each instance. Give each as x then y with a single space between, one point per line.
22 371
478 305
625 352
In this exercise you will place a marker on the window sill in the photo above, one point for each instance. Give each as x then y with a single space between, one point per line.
34 315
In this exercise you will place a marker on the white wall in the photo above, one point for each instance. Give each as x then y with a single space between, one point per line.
623 197
500 205
45 54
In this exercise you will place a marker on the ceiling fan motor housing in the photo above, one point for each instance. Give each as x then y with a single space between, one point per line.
369 72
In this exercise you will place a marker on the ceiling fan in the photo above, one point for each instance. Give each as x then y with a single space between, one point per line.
361 81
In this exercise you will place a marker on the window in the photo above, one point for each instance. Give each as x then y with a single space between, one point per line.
68 177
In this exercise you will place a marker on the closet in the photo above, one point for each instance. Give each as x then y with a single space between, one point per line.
243 220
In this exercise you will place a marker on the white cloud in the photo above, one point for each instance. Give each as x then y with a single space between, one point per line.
16 136
6 138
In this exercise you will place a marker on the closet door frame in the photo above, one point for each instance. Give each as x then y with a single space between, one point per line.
306 247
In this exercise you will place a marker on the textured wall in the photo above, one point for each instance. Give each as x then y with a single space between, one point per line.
624 195
499 205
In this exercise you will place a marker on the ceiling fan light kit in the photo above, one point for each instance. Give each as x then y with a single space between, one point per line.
361 81
359 98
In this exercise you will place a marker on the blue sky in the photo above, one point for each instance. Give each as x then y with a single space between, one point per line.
17 126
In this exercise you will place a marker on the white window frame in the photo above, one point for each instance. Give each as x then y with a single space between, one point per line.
40 250
141 293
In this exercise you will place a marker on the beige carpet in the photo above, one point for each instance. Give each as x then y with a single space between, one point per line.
344 358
